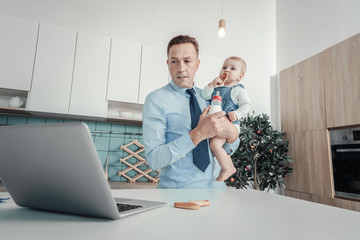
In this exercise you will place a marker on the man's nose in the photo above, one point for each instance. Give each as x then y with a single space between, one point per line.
181 66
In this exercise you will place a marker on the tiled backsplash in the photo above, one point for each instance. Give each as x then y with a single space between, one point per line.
108 137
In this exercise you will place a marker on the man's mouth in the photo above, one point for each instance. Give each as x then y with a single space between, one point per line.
182 77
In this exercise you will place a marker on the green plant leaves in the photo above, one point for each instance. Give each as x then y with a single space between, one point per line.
262 148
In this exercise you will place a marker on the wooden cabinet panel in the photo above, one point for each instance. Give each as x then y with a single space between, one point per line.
88 94
310 197
53 70
311 163
17 52
124 71
347 204
342 81
154 71
302 96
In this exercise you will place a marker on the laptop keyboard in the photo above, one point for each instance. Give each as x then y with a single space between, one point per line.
125 207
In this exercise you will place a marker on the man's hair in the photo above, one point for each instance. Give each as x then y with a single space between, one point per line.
180 39
243 63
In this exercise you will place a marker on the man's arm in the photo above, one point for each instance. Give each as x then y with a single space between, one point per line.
216 124
158 153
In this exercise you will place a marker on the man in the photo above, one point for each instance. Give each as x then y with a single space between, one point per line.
174 141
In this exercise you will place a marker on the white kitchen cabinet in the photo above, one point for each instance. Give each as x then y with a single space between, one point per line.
17 52
88 94
124 71
51 85
154 71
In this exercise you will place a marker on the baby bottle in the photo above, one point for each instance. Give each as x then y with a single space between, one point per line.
216 103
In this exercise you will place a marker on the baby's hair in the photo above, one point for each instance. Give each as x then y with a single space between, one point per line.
243 63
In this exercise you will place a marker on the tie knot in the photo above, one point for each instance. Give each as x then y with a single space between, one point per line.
191 91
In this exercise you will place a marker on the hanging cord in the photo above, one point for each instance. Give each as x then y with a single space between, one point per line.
222 8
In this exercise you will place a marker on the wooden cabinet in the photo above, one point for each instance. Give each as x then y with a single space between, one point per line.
154 71
342 81
88 94
317 94
53 70
124 71
312 169
302 96
17 52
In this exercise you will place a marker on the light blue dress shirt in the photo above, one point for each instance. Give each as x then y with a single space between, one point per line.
168 146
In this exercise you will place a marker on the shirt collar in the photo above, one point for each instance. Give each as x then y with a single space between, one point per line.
180 90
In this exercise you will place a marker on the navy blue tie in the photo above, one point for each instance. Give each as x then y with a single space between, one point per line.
201 151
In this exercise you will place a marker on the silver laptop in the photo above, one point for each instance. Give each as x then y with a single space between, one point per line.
55 167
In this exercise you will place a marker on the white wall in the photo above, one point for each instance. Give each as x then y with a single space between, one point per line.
250 28
307 27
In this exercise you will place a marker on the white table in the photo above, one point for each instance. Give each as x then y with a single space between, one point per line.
233 214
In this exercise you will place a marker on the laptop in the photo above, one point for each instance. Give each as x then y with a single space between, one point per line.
55 167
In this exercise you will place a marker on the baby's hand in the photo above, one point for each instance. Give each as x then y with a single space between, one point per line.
232 116
214 82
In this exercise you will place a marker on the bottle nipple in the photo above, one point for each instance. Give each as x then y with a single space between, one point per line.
217 96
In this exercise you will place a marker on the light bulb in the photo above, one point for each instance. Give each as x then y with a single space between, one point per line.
221 32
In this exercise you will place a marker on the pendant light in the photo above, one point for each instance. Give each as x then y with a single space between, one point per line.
221 32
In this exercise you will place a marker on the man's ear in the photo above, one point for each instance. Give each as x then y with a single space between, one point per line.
197 64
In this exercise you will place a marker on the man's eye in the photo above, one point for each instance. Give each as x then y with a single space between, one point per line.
173 61
187 61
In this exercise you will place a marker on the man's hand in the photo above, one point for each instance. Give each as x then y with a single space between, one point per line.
215 125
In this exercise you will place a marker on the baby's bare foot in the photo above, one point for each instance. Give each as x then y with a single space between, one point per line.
225 174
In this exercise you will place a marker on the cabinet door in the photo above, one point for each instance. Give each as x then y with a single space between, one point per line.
124 71
312 171
303 96
154 71
88 94
342 82
51 85
17 52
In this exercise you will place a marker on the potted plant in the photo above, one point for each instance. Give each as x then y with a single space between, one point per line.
261 159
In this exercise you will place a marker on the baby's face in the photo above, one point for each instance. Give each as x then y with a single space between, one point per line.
234 69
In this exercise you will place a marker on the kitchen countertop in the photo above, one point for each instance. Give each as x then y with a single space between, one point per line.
233 214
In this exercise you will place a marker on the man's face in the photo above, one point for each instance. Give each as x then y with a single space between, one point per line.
183 64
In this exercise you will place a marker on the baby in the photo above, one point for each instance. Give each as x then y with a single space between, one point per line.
236 104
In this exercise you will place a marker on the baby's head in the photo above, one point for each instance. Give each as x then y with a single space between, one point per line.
235 67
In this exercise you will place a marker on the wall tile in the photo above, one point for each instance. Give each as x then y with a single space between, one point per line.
102 142
116 141
106 144
91 125
35 120
102 156
15 120
113 176
118 128
132 129
100 126
3 119
54 120
114 159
